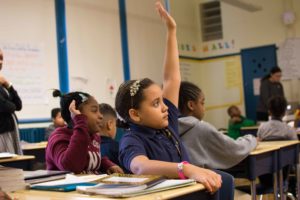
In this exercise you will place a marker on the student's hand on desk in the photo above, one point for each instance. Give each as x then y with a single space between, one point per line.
4 196
115 169
73 110
164 15
211 180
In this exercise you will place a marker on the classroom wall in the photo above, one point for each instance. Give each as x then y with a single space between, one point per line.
94 47
241 29
32 22
146 40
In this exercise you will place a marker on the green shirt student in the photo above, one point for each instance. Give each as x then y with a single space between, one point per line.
236 122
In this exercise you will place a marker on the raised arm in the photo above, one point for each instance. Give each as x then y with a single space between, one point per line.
171 71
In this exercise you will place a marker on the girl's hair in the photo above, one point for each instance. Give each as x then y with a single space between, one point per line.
272 71
130 95
187 92
277 106
65 101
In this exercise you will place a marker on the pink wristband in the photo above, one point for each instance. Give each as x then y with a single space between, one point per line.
180 169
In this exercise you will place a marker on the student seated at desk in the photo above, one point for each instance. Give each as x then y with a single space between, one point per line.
76 147
276 129
57 120
108 130
207 146
151 143
237 121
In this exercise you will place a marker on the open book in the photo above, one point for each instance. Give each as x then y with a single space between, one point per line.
125 185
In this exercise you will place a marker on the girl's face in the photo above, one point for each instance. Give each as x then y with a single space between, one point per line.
153 112
197 107
91 111
58 120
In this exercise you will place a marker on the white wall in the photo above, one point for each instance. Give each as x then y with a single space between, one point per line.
94 47
146 40
241 29
32 22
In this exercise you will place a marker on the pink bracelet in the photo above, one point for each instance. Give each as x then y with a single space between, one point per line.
180 169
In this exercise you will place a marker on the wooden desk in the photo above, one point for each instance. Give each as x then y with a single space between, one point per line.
252 130
22 162
185 193
262 160
33 146
288 154
38 150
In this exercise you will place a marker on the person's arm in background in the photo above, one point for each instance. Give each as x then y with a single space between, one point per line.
264 93
14 103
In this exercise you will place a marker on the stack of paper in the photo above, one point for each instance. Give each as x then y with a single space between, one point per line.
11 179
132 185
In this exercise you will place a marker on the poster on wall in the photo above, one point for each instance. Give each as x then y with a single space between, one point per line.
289 59
23 65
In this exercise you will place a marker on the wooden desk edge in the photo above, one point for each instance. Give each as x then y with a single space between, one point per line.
50 195
17 158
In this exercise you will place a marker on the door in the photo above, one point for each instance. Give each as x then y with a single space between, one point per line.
257 62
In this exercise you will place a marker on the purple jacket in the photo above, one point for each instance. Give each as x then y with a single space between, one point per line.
76 150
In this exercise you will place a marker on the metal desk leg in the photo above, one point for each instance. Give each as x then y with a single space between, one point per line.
298 181
275 186
253 190
281 185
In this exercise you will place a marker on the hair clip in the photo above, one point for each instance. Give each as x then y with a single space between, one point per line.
134 88
83 97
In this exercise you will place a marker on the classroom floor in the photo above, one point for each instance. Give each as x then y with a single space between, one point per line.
239 195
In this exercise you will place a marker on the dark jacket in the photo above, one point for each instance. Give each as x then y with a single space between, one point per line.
8 105
268 89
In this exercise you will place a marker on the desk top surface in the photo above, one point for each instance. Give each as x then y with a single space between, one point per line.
47 195
17 158
32 146
267 146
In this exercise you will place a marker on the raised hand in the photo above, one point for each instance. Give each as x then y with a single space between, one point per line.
73 110
165 16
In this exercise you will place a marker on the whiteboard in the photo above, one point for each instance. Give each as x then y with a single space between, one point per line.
220 79
289 59
23 66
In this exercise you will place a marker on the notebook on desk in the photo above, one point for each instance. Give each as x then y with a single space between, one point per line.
4 155
40 176
132 185
69 183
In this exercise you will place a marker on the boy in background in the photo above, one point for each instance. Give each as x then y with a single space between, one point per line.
237 121
276 129
57 121
108 130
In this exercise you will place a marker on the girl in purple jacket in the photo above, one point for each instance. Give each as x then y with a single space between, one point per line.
76 146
